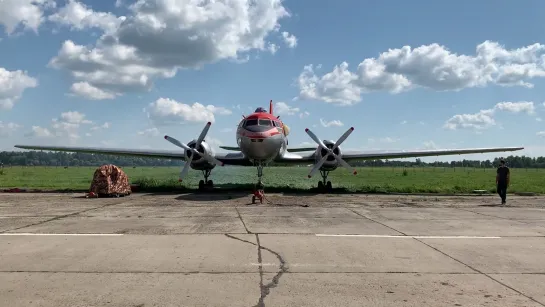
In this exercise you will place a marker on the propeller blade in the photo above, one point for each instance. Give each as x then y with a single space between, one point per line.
316 139
317 166
177 143
203 133
346 165
213 160
342 138
185 169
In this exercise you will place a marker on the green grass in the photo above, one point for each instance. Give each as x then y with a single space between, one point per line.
371 180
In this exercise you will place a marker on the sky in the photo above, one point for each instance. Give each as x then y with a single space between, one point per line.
405 74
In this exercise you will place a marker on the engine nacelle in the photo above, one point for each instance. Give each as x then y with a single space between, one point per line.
330 163
199 162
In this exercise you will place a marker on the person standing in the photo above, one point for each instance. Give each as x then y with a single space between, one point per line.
502 181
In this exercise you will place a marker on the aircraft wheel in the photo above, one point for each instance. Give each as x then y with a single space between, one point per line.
320 186
329 186
201 184
210 183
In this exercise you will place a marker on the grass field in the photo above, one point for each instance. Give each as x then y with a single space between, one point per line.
371 180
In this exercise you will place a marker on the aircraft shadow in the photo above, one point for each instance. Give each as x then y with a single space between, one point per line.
229 191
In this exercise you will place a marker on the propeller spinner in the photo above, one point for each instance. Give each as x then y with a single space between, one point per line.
330 151
208 157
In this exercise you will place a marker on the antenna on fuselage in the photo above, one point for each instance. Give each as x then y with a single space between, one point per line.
270 107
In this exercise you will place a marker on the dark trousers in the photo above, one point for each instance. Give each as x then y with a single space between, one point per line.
502 190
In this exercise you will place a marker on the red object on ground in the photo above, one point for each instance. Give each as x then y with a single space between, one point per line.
259 194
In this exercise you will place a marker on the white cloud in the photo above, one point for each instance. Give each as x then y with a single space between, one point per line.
40 132
151 132
337 123
78 16
26 14
541 134
428 66
429 145
106 125
478 121
86 90
404 122
538 119
273 48
7 129
484 119
335 87
159 37
168 111
304 114
66 128
283 108
74 117
517 107
12 86
289 39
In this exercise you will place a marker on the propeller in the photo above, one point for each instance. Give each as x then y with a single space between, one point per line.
330 152
208 157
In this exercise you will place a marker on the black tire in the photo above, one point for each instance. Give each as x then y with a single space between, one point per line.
210 183
320 186
253 199
201 185
329 186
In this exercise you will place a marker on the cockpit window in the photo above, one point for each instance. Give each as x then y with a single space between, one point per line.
265 122
250 122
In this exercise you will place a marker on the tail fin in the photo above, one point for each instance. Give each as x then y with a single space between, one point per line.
270 107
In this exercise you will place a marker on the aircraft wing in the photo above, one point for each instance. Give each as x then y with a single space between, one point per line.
228 159
352 156
358 156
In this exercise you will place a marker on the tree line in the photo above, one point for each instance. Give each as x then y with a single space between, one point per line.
43 158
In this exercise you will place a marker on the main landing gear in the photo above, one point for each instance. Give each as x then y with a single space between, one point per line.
324 186
259 193
206 184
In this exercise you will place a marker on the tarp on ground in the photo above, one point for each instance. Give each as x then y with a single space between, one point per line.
110 180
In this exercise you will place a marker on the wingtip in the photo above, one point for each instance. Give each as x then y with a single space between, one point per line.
209 123
166 137
352 128
306 129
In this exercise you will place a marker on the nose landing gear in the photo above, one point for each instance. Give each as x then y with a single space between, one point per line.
206 184
259 193
324 185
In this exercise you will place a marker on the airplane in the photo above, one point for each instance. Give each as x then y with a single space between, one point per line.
262 138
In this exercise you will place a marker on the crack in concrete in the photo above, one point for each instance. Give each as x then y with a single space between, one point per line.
60 217
480 272
370 219
265 289
240 217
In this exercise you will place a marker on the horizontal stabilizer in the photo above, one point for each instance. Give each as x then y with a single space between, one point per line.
234 148
299 149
